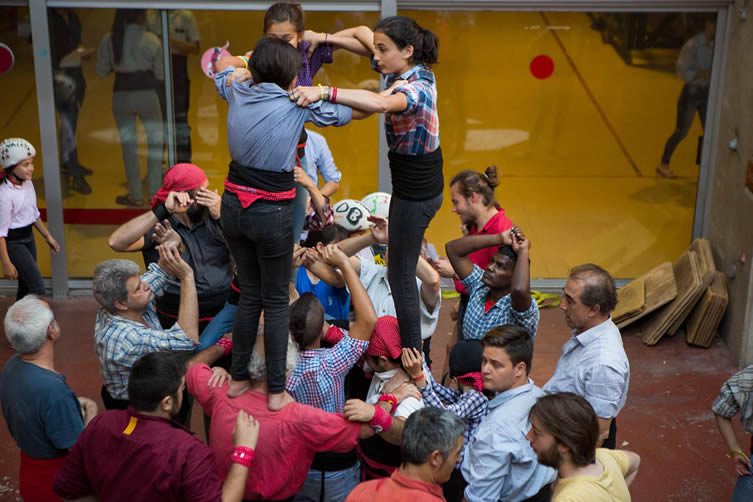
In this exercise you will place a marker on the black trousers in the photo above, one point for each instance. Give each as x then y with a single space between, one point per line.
408 222
22 251
260 238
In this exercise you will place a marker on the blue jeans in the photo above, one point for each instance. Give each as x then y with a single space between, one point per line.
260 238
218 327
337 485
744 488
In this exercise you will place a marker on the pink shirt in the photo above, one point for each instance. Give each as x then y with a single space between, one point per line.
288 439
18 206
496 224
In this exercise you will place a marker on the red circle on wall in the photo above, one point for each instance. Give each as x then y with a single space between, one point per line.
6 58
542 67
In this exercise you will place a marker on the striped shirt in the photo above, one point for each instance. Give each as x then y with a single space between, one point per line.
736 396
318 379
415 130
478 321
594 365
120 342
470 406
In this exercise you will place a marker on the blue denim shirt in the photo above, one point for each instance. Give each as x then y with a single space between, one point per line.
499 462
264 125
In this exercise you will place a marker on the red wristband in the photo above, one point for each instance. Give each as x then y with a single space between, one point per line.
382 421
226 344
388 398
242 455
420 377
333 95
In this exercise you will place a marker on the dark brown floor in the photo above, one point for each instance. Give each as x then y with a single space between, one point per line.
666 419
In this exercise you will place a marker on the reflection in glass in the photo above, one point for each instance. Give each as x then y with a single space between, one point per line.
134 55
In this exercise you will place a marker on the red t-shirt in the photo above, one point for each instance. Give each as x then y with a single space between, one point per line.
288 439
398 488
496 224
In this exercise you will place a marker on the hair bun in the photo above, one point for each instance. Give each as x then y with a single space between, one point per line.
490 176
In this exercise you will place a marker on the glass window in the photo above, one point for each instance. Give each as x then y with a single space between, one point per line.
577 111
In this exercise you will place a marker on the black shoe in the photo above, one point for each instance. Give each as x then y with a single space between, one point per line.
79 184
126 200
85 170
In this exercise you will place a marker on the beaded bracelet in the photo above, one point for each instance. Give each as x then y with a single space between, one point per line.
390 399
226 344
242 455
382 421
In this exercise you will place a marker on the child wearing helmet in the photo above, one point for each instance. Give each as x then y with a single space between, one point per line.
18 213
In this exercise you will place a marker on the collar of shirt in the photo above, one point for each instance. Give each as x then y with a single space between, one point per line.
592 334
489 224
507 395
139 416
416 484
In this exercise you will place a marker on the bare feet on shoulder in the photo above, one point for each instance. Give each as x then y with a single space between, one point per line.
277 402
237 387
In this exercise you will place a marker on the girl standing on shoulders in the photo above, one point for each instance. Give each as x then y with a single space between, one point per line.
18 213
402 51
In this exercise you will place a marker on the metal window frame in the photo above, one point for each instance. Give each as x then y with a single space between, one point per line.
46 107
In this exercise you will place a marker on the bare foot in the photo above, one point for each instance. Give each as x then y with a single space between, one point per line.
277 402
664 171
237 387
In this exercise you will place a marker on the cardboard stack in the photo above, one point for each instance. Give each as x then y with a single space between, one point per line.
644 295
705 318
687 292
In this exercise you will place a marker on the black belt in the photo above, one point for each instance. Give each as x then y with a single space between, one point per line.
331 461
136 81
19 233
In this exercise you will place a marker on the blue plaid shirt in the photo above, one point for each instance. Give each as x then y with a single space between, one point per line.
120 342
318 379
477 323
415 130
470 406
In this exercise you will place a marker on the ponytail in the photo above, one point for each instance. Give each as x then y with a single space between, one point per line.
405 31
470 182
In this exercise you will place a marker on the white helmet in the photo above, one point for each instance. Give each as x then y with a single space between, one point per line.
378 204
351 215
15 150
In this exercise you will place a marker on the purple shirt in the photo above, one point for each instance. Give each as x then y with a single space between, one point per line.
310 65
125 456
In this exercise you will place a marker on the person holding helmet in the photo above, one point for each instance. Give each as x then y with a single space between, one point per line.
18 213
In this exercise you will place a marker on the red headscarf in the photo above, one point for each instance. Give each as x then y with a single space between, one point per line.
385 341
472 379
179 178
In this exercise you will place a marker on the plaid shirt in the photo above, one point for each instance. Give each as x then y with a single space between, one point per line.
593 364
120 342
477 322
736 396
470 406
415 130
318 379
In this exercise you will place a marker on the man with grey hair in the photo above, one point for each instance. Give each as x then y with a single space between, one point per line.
127 326
593 363
290 438
430 448
42 413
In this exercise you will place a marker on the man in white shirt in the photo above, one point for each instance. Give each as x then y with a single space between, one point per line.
593 363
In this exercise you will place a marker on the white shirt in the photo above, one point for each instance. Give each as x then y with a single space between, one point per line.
18 206
594 365
142 51
405 408
374 279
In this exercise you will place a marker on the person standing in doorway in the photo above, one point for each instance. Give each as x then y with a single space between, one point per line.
694 68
